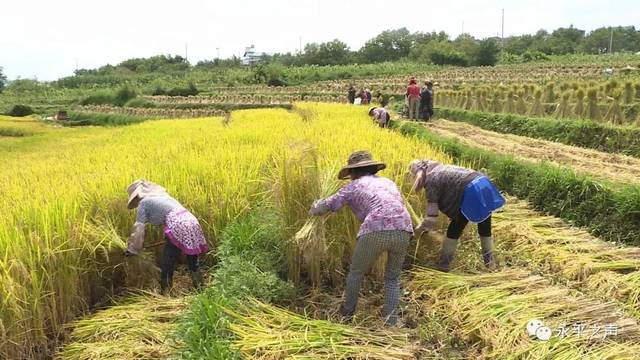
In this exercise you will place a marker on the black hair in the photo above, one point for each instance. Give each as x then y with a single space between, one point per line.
366 170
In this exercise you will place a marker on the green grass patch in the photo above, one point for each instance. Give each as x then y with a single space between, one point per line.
583 133
610 213
250 260
100 119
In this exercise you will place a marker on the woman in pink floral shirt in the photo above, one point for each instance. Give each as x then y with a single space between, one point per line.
386 227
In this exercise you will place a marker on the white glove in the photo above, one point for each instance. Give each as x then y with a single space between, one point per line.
427 224
318 208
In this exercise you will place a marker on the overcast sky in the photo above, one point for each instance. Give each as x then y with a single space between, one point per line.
45 39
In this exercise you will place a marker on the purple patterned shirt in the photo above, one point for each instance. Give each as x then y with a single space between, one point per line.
376 201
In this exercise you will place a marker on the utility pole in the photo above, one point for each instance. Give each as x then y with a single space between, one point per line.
300 48
186 53
218 53
502 36
76 64
611 42
462 28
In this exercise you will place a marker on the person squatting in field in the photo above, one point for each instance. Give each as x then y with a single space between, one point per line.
182 232
386 227
463 195
380 115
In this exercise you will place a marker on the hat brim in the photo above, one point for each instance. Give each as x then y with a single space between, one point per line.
131 203
346 170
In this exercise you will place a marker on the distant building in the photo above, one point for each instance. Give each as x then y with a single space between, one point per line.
251 56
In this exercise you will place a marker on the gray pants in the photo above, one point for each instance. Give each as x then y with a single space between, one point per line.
368 248
414 108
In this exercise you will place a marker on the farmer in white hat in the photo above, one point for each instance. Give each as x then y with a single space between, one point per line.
386 227
181 229
465 196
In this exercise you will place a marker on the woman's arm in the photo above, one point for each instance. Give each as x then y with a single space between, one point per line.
333 203
429 221
136 239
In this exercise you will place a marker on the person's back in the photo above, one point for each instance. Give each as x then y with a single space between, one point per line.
375 199
381 115
413 99
426 103
154 209
446 186
413 90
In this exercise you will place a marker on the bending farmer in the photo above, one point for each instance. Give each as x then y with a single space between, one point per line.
386 227
181 229
380 115
463 195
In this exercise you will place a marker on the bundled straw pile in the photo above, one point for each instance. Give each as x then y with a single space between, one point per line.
545 242
268 332
140 329
492 310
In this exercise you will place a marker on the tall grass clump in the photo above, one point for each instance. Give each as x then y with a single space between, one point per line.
298 181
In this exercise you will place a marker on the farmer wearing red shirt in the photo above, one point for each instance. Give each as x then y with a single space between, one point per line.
413 98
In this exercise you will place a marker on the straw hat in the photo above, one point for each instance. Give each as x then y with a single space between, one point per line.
141 188
359 159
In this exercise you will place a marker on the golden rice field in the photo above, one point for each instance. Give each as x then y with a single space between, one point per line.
65 222
63 196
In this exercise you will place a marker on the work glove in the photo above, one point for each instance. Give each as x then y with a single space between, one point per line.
427 224
318 208
136 240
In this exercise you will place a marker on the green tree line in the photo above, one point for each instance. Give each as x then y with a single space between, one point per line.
424 47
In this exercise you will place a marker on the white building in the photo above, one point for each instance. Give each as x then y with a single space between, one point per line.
251 56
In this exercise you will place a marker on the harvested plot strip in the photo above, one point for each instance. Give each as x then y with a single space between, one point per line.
612 167
492 310
525 237
609 212
584 133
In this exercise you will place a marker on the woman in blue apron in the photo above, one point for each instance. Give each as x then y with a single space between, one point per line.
464 195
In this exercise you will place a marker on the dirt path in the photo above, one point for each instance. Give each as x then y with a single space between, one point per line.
613 167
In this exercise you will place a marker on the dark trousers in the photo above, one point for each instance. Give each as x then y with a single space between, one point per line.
170 257
457 225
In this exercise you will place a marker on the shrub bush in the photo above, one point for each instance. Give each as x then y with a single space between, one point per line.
190 90
119 98
20 110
